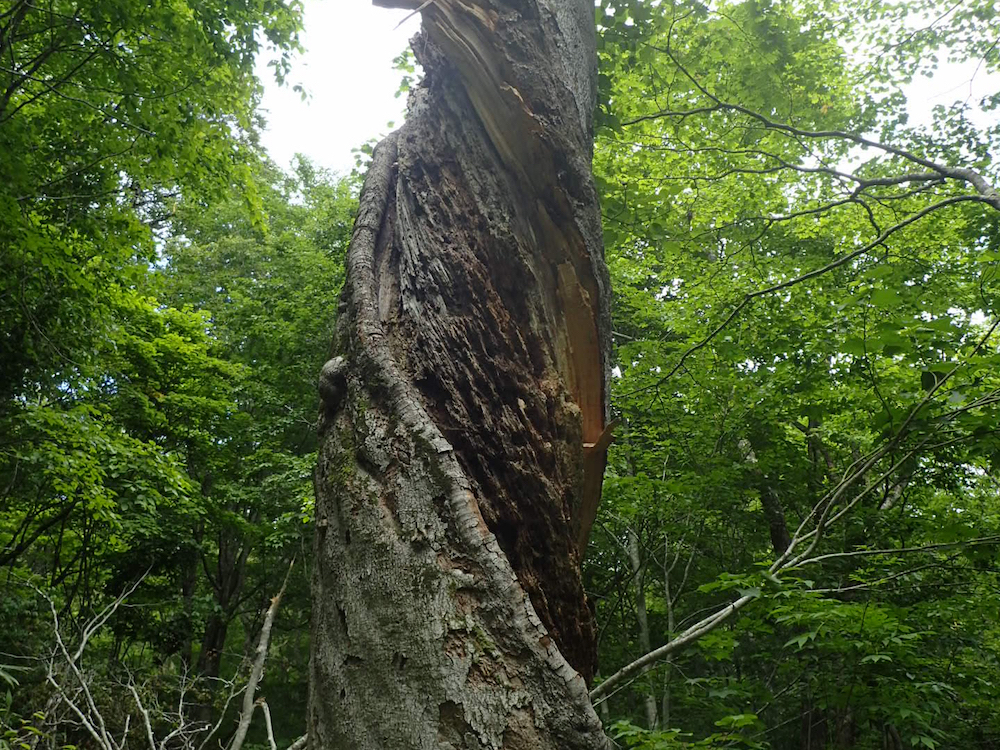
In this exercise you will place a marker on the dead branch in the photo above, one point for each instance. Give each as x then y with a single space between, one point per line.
249 703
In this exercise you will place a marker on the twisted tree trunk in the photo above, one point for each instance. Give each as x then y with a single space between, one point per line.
465 416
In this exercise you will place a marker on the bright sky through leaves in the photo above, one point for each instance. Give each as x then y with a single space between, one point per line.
347 71
348 74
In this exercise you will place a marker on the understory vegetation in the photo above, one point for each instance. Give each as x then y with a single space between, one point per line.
801 513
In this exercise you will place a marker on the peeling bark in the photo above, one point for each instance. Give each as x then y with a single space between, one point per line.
464 429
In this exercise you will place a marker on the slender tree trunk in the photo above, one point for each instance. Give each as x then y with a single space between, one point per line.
212 644
227 586
465 414
814 728
775 514
639 581
189 583
770 501
669 598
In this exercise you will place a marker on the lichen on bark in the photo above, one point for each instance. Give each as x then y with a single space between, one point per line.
465 424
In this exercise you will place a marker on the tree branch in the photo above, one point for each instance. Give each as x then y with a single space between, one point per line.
249 703
785 561
751 296
898 551
267 724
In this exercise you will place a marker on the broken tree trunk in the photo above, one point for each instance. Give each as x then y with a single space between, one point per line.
465 414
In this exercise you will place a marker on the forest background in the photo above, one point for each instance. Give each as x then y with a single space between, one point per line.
806 374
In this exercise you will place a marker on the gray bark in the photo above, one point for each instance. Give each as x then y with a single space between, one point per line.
639 581
465 412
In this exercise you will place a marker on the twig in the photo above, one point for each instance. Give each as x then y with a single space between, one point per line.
411 15
897 551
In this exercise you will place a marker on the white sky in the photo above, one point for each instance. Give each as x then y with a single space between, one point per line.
347 71
953 82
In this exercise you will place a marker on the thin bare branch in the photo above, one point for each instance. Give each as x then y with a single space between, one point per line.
843 260
144 712
249 702
690 635
897 551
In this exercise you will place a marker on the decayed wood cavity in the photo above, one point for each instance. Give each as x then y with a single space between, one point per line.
537 120
528 147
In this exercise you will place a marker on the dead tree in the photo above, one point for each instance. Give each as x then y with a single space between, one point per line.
465 410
